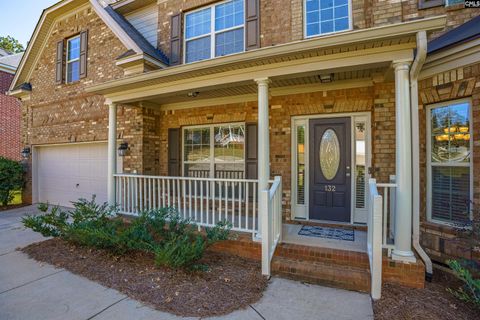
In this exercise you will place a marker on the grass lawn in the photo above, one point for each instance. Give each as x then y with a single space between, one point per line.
17 198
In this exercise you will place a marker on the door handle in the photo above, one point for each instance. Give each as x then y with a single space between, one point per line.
78 185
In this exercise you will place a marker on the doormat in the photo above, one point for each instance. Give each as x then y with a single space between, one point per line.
327 233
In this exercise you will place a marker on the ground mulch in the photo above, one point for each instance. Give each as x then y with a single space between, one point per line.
12 206
230 283
433 302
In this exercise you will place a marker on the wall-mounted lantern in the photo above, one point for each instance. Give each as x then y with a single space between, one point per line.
26 153
122 149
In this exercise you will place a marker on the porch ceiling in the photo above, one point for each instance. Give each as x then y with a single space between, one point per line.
350 55
310 82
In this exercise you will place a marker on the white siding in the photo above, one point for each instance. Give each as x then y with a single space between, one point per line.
145 20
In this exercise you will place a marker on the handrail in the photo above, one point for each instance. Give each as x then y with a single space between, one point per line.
374 238
130 175
271 229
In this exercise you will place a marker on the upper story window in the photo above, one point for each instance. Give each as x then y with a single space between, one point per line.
449 162
214 31
73 59
326 16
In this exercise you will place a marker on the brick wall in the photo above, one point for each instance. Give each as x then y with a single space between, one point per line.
444 242
282 21
9 120
66 113
379 100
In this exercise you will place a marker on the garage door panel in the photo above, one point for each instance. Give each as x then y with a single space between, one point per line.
69 172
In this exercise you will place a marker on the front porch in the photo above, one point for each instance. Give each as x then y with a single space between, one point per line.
294 136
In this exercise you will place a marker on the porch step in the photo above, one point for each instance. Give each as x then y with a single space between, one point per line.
322 254
331 267
332 275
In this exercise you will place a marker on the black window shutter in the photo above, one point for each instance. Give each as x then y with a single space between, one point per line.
176 39
252 24
174 152
60 62
83 53
251 151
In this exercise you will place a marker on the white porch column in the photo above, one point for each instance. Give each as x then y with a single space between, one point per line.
263 135
403 131
112 152
263 172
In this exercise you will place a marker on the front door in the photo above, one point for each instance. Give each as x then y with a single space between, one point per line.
330 169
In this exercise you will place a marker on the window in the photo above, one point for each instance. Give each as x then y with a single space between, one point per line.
326 16
215 31
214 151
300 164
449 162
360 164
73 59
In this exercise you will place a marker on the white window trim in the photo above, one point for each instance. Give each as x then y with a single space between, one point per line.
212 33
73 60
429 160
211 162
297 209
350 22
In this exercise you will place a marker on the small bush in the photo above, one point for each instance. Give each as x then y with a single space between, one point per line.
470 291
51 224
173 240
11 179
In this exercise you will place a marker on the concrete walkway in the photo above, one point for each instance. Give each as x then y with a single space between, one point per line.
32 290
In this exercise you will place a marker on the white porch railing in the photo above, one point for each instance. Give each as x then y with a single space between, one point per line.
206 201
271 224
381 217
374 238
388 233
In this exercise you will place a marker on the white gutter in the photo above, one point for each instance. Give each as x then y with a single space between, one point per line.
417 65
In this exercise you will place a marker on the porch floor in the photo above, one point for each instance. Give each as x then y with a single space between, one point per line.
290 235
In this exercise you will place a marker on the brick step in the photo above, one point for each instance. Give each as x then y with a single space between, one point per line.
323 255
322 273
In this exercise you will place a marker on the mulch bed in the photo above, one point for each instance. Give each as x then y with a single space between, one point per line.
230 283
12 206
433 302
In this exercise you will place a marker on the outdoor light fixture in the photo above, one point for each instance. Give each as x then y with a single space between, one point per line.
193 94
26 153
325 78
122 149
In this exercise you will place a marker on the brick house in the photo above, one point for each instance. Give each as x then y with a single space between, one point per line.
280 116
10 110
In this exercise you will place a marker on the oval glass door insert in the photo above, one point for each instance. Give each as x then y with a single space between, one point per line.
329 154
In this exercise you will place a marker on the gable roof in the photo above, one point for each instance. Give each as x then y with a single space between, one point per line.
9 63
4 52
465 32
49 15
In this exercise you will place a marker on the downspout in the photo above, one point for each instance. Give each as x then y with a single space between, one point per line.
417 65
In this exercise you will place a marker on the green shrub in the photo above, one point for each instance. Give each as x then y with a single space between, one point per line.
11 179
182 251
470 291
51 224
173 240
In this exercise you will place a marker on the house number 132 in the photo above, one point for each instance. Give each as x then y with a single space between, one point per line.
329 188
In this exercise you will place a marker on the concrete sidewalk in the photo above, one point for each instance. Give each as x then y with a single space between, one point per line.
32 290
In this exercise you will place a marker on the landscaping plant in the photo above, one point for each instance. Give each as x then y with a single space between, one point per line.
174 241
468 270
11 179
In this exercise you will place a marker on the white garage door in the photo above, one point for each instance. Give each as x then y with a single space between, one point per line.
68 172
